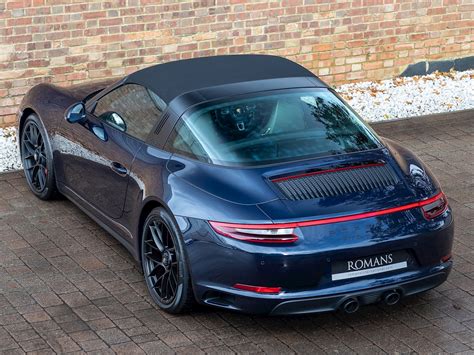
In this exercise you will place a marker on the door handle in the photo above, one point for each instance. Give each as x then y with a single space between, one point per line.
119 168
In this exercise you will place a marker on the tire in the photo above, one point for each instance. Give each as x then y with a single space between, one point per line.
37 158
164 263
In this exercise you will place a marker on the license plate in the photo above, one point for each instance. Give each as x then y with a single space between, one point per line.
370 265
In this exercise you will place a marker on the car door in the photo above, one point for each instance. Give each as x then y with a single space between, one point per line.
96 155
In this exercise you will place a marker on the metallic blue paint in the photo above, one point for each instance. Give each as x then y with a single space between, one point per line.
195 192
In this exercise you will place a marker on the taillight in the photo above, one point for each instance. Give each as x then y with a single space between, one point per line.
256 233
433 209
258 289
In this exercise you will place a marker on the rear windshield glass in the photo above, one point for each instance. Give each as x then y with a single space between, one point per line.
271 128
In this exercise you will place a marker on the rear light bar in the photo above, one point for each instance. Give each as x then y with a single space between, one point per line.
258 289
285 232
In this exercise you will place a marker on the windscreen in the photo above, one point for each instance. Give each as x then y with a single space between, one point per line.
271 128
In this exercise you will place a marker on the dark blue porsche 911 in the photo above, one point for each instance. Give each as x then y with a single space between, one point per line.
242 182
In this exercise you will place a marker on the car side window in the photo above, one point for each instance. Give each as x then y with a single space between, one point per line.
184 142
132 109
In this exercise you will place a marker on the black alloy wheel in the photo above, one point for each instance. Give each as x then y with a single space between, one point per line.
37 158
164 265
34 156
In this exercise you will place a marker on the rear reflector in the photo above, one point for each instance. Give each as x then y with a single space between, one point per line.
446 258
258 289
285 232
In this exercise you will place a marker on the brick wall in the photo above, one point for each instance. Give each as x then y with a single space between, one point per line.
69 41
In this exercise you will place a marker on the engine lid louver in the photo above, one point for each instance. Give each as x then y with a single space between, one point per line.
336 182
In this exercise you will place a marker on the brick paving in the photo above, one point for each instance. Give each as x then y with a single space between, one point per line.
67 286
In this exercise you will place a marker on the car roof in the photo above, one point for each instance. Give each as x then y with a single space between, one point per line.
172 79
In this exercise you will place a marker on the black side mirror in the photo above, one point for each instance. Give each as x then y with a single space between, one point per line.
76 113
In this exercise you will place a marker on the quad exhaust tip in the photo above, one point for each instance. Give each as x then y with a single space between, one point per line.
351 305
391 298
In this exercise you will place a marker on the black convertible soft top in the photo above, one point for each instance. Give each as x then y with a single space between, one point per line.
172 79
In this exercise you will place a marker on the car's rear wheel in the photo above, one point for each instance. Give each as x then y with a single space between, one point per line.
164 264
37 158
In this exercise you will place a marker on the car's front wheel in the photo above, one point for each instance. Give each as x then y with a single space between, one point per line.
37 158
164 264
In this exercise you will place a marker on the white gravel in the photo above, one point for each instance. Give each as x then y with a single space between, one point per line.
375 101
9 155
408 97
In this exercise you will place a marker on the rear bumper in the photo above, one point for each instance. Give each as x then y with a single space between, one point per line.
290 304
304 269
332 303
